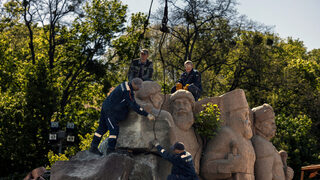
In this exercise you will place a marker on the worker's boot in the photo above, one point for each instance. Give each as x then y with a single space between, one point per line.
110 150
95 150
94 146
111 145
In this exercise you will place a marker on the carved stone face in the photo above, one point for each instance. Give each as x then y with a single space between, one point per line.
247 130
267 125
247 133
135 87
182 113
156 100
242 122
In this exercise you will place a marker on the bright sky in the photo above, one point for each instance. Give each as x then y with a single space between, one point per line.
299 19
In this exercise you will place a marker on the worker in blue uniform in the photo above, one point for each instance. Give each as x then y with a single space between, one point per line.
114 109
190 80
182 163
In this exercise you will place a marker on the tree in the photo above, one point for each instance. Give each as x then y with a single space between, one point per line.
124 48
293 136
62 82
198 30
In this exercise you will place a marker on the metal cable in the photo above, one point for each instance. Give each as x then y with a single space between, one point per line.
163 36
141 36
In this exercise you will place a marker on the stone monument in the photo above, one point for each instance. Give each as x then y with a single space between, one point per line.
85 166
181 106
270 164
137 131
230 154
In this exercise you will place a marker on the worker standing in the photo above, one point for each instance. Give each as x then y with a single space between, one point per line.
142 67
114 109
182 163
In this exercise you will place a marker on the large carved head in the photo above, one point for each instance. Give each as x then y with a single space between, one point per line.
264 121
235 108
151 93
181 108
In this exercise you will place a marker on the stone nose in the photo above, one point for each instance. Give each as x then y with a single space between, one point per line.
179 105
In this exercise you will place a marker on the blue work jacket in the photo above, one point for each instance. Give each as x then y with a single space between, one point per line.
192 77
182 163
119 102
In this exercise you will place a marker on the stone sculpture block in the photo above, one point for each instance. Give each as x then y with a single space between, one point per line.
270 164
230 154
112 167
137 131
233 154
181 108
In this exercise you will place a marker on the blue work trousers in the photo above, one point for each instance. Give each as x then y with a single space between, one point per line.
107 122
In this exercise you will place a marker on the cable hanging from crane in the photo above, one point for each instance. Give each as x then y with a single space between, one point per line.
141 36
164 29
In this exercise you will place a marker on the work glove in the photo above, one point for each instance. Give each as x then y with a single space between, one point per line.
186 87
154 143
151 117
179 86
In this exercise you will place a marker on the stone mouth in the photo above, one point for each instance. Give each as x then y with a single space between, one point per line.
182 111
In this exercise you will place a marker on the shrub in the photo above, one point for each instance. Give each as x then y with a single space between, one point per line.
207 122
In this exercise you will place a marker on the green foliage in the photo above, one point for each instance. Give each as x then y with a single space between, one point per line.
24 123
76 64
84 144
125 46
207 122
34 93
293 136
85 141
54 157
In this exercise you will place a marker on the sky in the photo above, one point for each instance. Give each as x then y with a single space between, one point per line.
299 19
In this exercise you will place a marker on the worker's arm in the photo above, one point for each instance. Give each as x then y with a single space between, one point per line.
133 104
182 77
166 155
197 80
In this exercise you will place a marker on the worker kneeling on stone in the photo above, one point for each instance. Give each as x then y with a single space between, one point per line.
190 80
182 163
114 109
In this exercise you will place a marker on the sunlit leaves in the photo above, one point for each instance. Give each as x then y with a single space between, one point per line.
293 135
208 122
